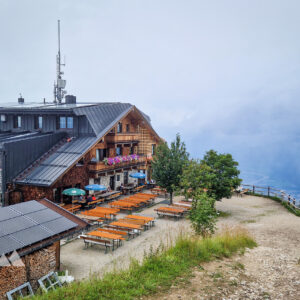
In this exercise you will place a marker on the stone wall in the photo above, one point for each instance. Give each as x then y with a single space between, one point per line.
36 265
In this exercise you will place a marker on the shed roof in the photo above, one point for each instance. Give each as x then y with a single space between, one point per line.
28 223
47 172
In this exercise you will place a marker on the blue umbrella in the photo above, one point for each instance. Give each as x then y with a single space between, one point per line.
138 175
95 187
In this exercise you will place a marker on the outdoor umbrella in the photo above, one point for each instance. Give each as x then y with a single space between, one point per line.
73 192
95 187
138 175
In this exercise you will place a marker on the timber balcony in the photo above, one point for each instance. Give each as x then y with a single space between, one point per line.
128 137
100 166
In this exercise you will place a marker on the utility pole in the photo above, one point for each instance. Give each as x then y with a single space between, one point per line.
60 83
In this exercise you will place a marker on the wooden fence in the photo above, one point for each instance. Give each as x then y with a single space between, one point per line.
272 192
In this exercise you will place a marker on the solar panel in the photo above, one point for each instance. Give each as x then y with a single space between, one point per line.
6 213
27 223
13 225
43 216
59 225
7 244
32 235
28 207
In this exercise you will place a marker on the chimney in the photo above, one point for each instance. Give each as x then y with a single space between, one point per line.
20 99
70 99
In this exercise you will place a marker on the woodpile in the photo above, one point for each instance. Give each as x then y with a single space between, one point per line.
36 265
40 263
10 278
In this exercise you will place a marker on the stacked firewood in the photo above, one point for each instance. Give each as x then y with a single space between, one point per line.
10 278
40 263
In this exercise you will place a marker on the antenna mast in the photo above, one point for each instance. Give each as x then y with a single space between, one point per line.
60 83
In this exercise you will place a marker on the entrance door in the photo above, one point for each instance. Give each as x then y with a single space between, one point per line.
112 182
125 178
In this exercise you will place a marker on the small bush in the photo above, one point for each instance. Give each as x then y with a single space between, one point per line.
203 215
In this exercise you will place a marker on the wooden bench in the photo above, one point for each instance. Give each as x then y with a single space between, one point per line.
92 241
130 232
167 214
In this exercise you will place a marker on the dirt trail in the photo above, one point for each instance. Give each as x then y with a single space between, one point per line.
270 271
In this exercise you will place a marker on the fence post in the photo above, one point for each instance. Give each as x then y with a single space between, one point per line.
253 189
268 191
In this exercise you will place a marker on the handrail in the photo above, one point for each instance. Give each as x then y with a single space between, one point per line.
270 191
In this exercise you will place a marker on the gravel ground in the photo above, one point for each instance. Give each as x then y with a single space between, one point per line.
269 271
82 262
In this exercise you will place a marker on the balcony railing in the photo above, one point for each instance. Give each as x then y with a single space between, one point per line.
129 137
101 166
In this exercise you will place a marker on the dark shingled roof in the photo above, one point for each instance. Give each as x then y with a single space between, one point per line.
28 223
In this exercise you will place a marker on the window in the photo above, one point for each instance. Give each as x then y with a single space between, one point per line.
40 123
62 122
69 122
17 122
127 128
3 118
118 178
57 122
131 150
119 128
153 148
119 151
100 154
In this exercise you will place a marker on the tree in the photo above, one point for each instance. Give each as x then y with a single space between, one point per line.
225 174
168 164
203 215
196 178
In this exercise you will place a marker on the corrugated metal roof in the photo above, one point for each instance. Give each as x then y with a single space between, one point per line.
56 164
27 223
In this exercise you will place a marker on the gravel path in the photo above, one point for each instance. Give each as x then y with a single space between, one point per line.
270 271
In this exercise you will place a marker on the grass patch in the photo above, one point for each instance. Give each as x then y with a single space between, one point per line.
277 199
159 269
223 214
248 221
238 266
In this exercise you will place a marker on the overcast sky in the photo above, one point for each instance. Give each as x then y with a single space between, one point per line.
225 74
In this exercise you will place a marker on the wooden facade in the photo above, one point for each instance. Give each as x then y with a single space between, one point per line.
129 135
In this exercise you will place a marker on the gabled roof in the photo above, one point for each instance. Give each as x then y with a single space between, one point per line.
102 117
30 223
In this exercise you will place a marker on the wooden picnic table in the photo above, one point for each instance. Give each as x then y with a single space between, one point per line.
108 210
146 195
171 209
71 207
149 219
126 225
123 205
132 221
107 235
